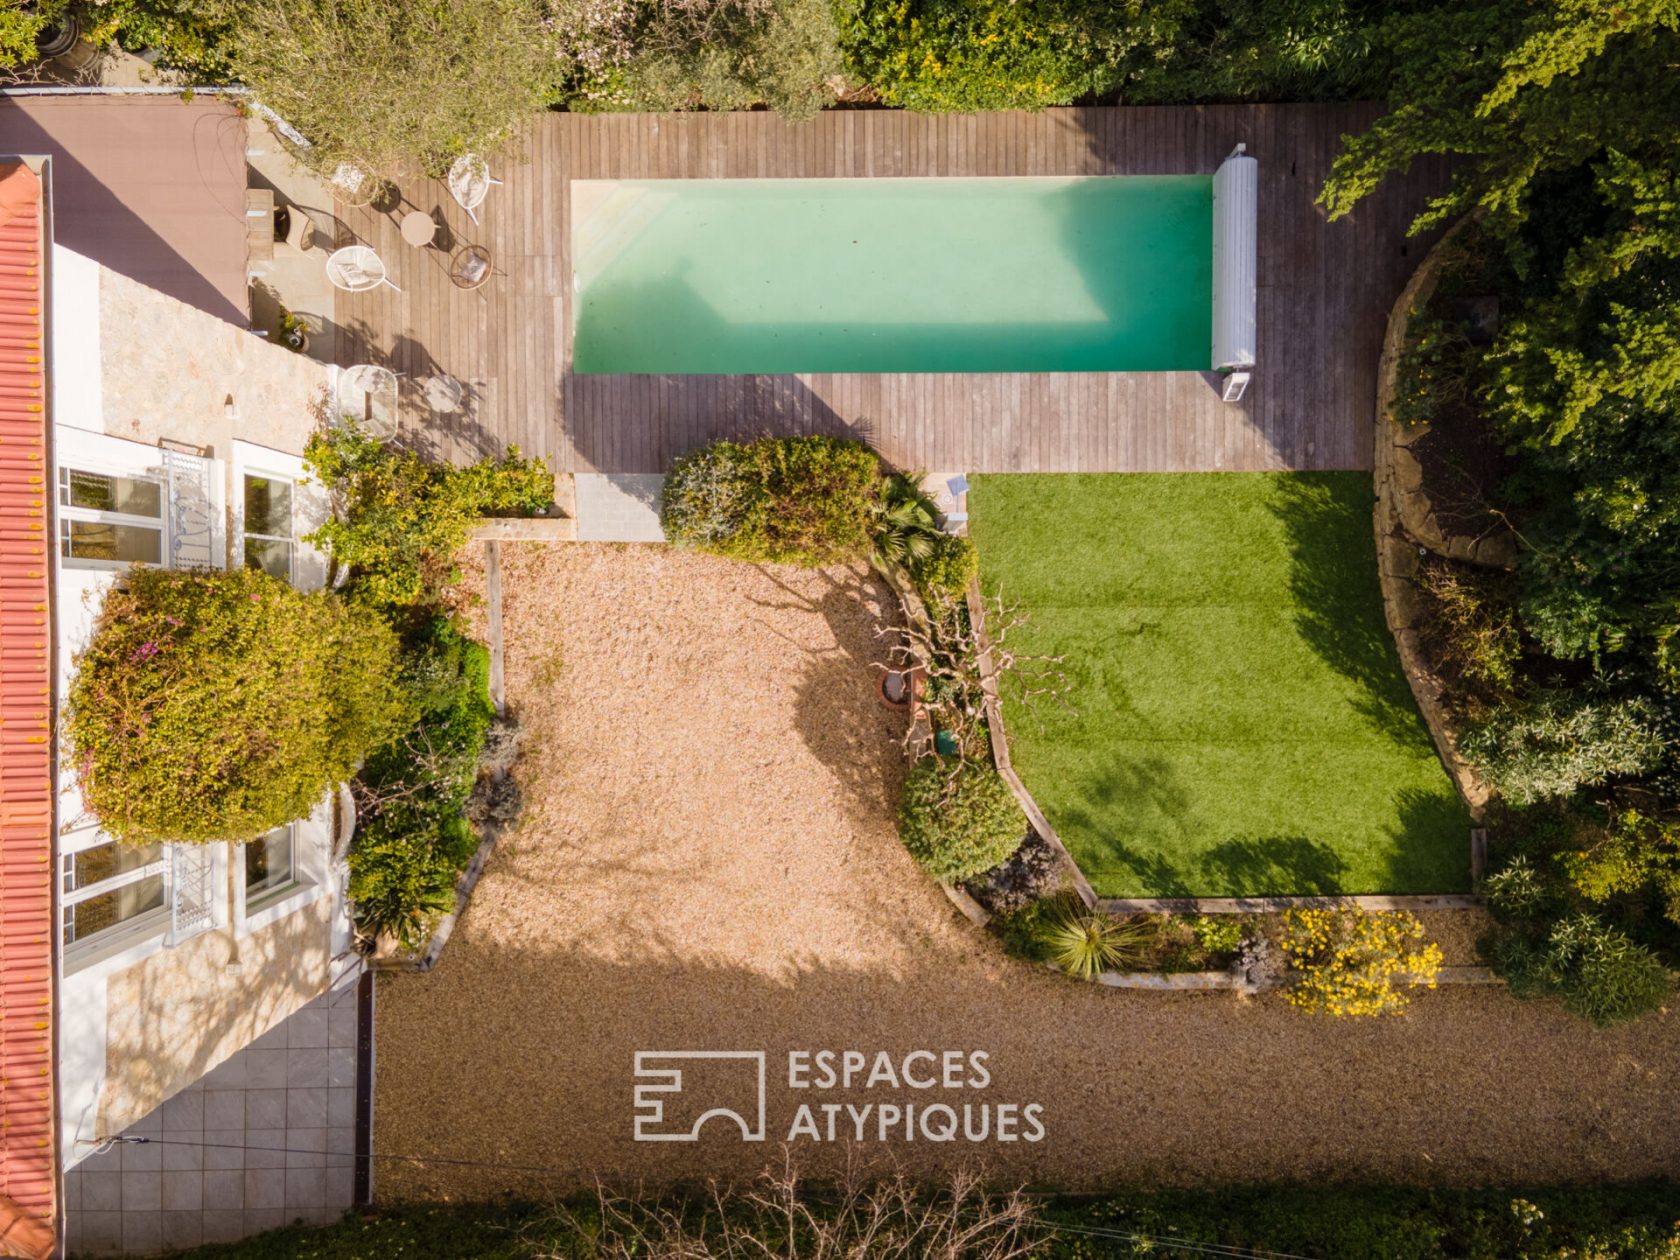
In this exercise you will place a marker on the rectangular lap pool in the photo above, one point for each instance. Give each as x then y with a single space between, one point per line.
1088 274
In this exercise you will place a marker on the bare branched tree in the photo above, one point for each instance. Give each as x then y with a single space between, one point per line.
779 1218
962 659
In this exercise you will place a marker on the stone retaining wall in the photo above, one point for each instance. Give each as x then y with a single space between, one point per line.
1405 521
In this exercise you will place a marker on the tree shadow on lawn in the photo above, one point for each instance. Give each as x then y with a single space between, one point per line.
1275 866
1430 852
1338 604
1141 793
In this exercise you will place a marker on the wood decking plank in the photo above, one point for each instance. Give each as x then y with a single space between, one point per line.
1324 293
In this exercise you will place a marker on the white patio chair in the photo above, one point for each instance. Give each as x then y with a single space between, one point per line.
469 181
356 269
367 394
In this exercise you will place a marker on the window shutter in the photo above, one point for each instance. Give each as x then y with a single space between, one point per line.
191 891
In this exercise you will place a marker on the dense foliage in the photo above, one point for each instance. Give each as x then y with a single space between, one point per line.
907 536
413 838
1564 675
388 84
399 518
193 37
1335 1222
1013 54
1587 903
217 705
959 820
806 500
690 54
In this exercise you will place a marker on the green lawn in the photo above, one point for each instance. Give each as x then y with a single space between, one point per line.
1239 722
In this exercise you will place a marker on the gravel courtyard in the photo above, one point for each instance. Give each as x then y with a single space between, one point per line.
708 861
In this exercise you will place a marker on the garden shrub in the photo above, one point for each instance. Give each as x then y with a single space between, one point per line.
399 519
906 521
959 819
1347 962
968 55
217 705
1085 943
807 500
193 36
945 572
1597 970
1633 855
413 837
1033 871
1558 741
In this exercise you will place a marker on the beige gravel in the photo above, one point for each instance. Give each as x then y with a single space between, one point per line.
708 861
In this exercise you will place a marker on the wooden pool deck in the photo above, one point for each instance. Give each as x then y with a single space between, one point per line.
1324 294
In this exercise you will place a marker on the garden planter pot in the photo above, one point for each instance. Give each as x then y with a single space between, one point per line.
899 688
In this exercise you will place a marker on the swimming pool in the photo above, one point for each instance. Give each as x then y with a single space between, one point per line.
1041 274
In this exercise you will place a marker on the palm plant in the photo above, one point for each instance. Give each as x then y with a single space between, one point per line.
906 522
1084 943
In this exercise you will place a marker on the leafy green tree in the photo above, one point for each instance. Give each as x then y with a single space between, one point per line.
392 84
217 705
1514 90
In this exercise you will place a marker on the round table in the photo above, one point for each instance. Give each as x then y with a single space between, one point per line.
444 394
470 268
418 228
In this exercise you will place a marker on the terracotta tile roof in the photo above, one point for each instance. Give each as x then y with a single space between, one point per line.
27 1162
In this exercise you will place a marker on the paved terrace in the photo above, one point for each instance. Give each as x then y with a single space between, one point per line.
1325 290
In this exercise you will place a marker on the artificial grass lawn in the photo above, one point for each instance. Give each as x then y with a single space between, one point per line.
1239 721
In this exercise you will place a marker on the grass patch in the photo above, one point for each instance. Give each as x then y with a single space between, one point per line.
1240 723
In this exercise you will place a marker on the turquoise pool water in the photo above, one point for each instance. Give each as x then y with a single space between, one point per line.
1098 274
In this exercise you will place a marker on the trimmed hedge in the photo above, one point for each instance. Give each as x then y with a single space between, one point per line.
958 828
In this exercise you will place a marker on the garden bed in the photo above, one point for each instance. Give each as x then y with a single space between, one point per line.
1236 721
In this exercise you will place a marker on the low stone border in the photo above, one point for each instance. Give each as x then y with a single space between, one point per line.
1232 982
1177 981
1404 521
972 910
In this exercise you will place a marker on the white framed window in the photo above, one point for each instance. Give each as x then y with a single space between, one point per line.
110 891
267 517
109 520
270 868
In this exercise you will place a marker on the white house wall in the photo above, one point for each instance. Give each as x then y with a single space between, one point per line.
131 368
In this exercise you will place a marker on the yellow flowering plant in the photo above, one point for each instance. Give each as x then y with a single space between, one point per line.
1347 962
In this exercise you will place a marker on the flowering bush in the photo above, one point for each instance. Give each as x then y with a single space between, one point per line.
216 705
1351 963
